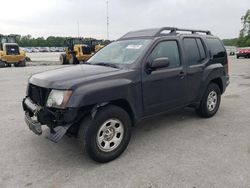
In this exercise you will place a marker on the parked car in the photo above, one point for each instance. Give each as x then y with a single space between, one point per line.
231 50
243 53
52 49
144 73
44 49
60 49
27 49
35 50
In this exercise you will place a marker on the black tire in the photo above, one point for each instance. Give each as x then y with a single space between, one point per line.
20 64
203 110
73 60
89 128
63 59
237 57
2 64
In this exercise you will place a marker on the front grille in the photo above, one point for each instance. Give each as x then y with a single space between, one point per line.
12 50
38 94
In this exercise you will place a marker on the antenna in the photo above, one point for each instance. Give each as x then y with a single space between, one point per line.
107 19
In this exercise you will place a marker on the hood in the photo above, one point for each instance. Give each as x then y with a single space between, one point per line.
70 77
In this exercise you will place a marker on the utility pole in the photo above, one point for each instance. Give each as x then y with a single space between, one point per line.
107 20
78 32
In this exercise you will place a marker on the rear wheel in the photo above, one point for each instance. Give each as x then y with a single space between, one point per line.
107 135
20 64
210 102
63 59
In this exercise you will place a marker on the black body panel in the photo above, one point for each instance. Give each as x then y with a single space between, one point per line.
146 93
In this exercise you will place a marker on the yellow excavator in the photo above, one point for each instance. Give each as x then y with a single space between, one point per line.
79 50
10 52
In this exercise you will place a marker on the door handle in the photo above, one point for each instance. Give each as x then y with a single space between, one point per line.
182 74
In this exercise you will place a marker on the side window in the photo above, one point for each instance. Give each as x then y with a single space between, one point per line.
192 51
201 49
167 49
216 48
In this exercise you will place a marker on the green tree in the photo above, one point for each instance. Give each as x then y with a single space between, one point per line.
245 31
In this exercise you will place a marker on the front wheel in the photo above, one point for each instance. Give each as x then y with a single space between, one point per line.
107 135
2 64
210 102
73 60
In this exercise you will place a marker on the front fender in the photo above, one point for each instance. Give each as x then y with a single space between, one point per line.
104 91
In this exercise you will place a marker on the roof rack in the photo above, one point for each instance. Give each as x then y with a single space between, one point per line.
175 29
160 32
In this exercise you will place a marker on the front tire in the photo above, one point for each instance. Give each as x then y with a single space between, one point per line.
73 60
2 64
107 135
210 101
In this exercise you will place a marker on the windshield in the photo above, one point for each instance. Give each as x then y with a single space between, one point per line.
120 52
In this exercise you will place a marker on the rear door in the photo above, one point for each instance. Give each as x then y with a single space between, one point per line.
165 88
196 59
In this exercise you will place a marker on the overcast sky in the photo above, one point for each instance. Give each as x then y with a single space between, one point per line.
60 17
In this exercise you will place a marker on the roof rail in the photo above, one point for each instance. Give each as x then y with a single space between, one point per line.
175 29
154 32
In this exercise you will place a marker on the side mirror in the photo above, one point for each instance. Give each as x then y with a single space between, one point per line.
158 64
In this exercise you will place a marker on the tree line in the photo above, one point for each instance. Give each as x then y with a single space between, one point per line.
244 37
51 41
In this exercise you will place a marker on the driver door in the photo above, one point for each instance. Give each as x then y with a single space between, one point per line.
164 89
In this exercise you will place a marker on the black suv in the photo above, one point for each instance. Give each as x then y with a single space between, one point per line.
143 73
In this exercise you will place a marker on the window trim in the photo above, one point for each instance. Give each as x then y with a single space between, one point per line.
205 51
165 40
203 62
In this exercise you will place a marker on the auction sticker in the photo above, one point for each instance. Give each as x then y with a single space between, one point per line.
134 46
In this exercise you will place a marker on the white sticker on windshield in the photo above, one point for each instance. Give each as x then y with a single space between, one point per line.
134 46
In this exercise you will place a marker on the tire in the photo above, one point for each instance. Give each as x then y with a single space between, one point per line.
73 60
96 135
2 64
237 57
63 59
210 102
20 64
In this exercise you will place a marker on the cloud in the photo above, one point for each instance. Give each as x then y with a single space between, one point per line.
60 17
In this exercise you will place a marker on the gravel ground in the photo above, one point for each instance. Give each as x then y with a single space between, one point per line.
177 149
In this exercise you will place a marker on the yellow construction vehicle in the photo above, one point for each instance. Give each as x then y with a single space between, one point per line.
79 50
10 52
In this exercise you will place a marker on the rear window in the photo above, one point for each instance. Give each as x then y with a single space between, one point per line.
192 51
216 48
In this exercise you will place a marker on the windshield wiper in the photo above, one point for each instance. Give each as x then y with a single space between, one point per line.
106 64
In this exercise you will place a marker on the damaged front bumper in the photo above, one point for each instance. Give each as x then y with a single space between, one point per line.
58 120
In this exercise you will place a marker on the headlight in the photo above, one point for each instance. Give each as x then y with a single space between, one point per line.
58 98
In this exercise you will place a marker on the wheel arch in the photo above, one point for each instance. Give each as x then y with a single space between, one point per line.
218 81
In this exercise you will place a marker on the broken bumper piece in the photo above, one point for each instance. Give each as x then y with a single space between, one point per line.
36 116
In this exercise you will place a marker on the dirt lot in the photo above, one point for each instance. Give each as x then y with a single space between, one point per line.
177 149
